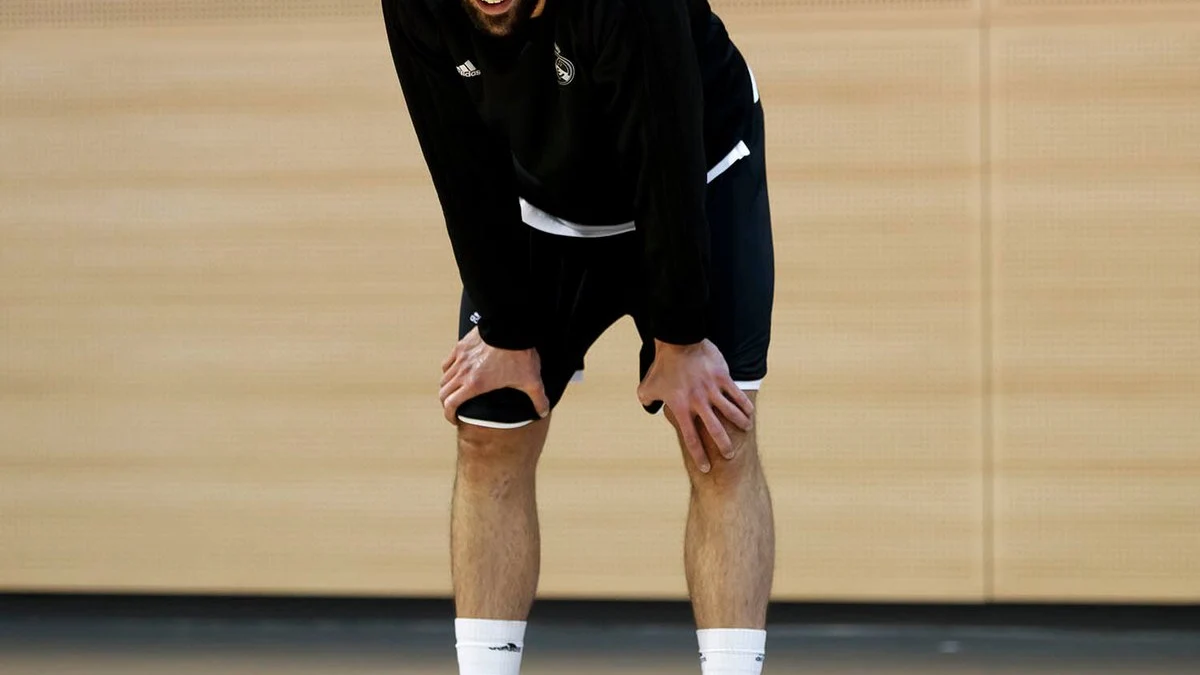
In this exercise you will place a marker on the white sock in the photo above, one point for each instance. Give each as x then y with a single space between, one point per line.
725 651
489 647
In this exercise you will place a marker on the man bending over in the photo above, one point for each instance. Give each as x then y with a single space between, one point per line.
596 159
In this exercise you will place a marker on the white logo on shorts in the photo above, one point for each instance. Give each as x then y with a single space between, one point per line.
475 318
563 67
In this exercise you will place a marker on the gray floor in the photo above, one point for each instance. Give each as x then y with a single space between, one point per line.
127 646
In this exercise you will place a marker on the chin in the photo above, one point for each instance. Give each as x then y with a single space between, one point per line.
501 19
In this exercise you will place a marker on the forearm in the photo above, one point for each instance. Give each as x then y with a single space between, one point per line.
471 170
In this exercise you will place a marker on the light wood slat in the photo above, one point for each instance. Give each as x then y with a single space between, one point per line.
1097 261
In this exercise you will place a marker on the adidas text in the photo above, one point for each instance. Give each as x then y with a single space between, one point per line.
468 69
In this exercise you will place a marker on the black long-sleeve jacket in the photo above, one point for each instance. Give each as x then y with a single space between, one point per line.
597 114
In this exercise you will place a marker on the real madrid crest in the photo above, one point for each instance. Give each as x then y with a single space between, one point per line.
563 67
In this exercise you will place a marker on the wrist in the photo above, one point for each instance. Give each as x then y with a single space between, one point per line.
509 336
662 346
681 323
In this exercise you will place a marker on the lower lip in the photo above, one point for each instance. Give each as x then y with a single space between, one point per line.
494 10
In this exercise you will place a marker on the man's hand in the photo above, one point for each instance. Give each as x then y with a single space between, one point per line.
475 367
693 383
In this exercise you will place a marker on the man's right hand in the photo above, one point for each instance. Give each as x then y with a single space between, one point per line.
475 367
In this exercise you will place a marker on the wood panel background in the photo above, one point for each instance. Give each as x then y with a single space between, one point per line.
225 289
1097 324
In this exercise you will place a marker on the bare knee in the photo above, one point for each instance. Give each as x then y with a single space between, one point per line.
499 455
727 476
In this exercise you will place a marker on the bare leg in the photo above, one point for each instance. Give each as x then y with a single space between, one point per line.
494 540
730 544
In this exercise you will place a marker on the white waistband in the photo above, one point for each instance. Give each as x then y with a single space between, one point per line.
540 220
551 224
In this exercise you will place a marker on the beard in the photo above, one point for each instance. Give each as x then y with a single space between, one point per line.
503 25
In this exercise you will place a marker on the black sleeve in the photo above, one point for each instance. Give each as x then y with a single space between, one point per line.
646 59
473 174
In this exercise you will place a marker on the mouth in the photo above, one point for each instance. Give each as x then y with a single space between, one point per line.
494 7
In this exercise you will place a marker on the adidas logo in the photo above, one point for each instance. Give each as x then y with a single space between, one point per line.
468 69
510 647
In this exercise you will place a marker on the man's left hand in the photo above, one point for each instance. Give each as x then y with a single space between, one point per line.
693 382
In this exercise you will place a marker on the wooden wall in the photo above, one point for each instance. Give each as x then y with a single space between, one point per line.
1095 255
225 290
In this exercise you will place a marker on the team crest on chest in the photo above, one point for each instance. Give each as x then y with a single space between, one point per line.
563 67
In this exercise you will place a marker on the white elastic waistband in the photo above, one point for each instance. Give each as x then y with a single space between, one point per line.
551 224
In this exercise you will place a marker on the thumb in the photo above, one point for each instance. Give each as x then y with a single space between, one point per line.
537 393
646 390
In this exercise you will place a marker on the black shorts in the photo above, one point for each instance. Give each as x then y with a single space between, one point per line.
589 288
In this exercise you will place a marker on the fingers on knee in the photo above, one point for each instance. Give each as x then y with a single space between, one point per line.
729 473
